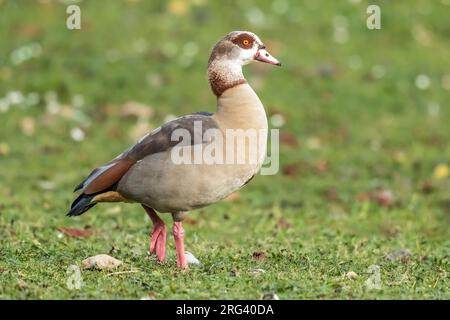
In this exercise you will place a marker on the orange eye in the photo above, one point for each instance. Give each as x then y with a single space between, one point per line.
245 42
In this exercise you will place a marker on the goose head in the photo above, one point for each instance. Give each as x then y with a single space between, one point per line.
241 48
233 51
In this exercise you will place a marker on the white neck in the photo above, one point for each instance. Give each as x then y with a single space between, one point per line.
224 74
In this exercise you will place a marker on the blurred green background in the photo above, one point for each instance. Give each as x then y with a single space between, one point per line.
363 117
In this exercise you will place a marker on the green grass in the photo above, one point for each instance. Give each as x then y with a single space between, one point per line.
361 124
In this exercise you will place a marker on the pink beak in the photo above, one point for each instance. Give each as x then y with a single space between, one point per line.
264 56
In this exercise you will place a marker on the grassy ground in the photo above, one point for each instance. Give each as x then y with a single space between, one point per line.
364 157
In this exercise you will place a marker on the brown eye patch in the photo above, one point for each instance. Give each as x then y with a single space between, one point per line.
244 40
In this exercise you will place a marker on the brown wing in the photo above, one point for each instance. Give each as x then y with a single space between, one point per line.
106 178
159 140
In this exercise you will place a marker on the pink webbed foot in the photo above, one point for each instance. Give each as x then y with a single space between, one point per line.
159 235
158 241
178 234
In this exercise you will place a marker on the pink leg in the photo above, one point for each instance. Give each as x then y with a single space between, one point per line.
178 234
158 241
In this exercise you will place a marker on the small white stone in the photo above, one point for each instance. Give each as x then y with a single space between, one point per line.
77 134
47 185
277 120
101 261
15 97
422 81
25 52
4 105
270 296
378 71
191 259
258 271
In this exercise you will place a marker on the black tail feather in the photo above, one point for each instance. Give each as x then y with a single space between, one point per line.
81 204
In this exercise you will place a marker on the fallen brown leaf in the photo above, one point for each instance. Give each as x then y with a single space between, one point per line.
384 198
28 30
115 133
427 187
327 96
289 139
339 135
446 205
320 166
259 256
282 223
291 169
152 295
388 231
331 195
362 197
76 233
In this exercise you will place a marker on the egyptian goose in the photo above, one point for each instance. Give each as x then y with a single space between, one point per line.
147 173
